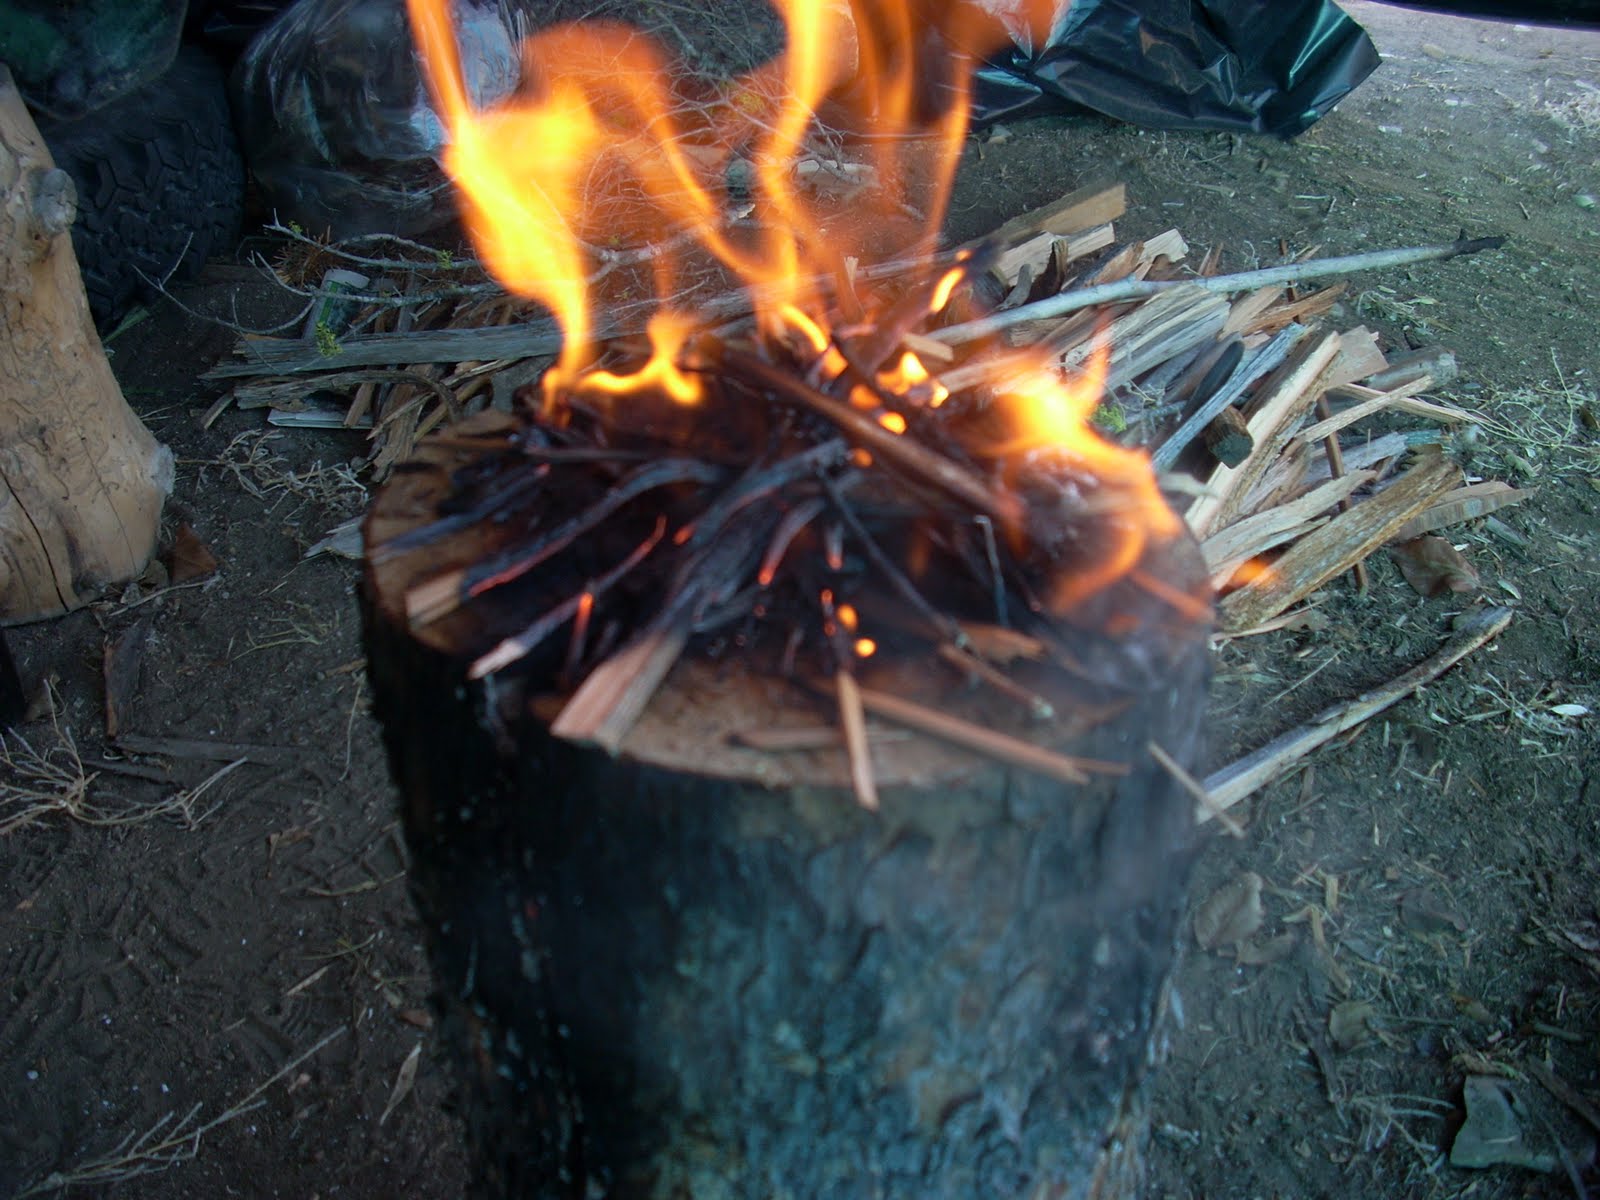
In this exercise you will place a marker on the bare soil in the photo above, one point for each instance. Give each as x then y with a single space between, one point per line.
166 974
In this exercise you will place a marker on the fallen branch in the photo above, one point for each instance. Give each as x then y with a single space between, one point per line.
1254 771
1138 289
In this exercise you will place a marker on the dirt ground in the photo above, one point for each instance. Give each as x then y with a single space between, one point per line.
218 989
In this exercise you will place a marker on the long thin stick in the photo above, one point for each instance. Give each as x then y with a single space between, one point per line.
1138 289
1254 771
853 720
999 746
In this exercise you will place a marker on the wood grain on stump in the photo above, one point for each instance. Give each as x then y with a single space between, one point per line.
692 970
82 481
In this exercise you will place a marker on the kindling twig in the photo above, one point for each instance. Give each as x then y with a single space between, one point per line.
1139 289
896 577
444 593
518 645
998 746
914 459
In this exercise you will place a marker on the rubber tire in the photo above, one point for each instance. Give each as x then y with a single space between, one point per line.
160 184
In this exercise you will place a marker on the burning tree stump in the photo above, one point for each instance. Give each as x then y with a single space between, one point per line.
692 962
82 481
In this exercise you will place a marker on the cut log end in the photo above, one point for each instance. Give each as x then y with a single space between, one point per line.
679 962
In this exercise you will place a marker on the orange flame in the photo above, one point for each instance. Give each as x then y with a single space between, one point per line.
599 153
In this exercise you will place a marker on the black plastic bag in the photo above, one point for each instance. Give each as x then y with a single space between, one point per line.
1262 66
337 123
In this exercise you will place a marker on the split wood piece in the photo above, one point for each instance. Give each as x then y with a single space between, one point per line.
1039 253
1299 272
1169 245
1402 402
1228 550
1228 437
1271 426
1337 421
1345 540
905 453
1463 504
1075 212
1389 447
608 703
1135 261
1303 310
1148 335
1160 341
1358 357
1248 308
1244 376
987 742
289 395
1435 362
794 739
927 349
1254 771
1335 457
82 481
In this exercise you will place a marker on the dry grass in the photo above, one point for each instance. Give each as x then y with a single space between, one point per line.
46 777
168 1143
252 460
1541 427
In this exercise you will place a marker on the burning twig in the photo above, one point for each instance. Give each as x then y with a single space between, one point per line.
443 594
512 648
918 461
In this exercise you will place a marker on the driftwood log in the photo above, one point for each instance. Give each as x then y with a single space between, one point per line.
695 968
82 481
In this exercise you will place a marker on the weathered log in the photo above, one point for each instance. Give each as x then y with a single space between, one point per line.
694 968
82 480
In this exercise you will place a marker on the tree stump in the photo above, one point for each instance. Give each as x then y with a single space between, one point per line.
697 970
82 481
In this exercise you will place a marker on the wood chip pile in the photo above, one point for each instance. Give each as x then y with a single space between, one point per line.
1260 416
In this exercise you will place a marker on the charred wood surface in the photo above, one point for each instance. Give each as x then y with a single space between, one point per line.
695 969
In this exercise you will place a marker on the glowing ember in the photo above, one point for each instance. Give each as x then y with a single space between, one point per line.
602 150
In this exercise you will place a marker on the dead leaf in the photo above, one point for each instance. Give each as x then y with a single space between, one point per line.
1230 914
403 1081
419 1017
1492 1132
1424 912
1273 949
1350 1023
1472 1008
190 558
1432 566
